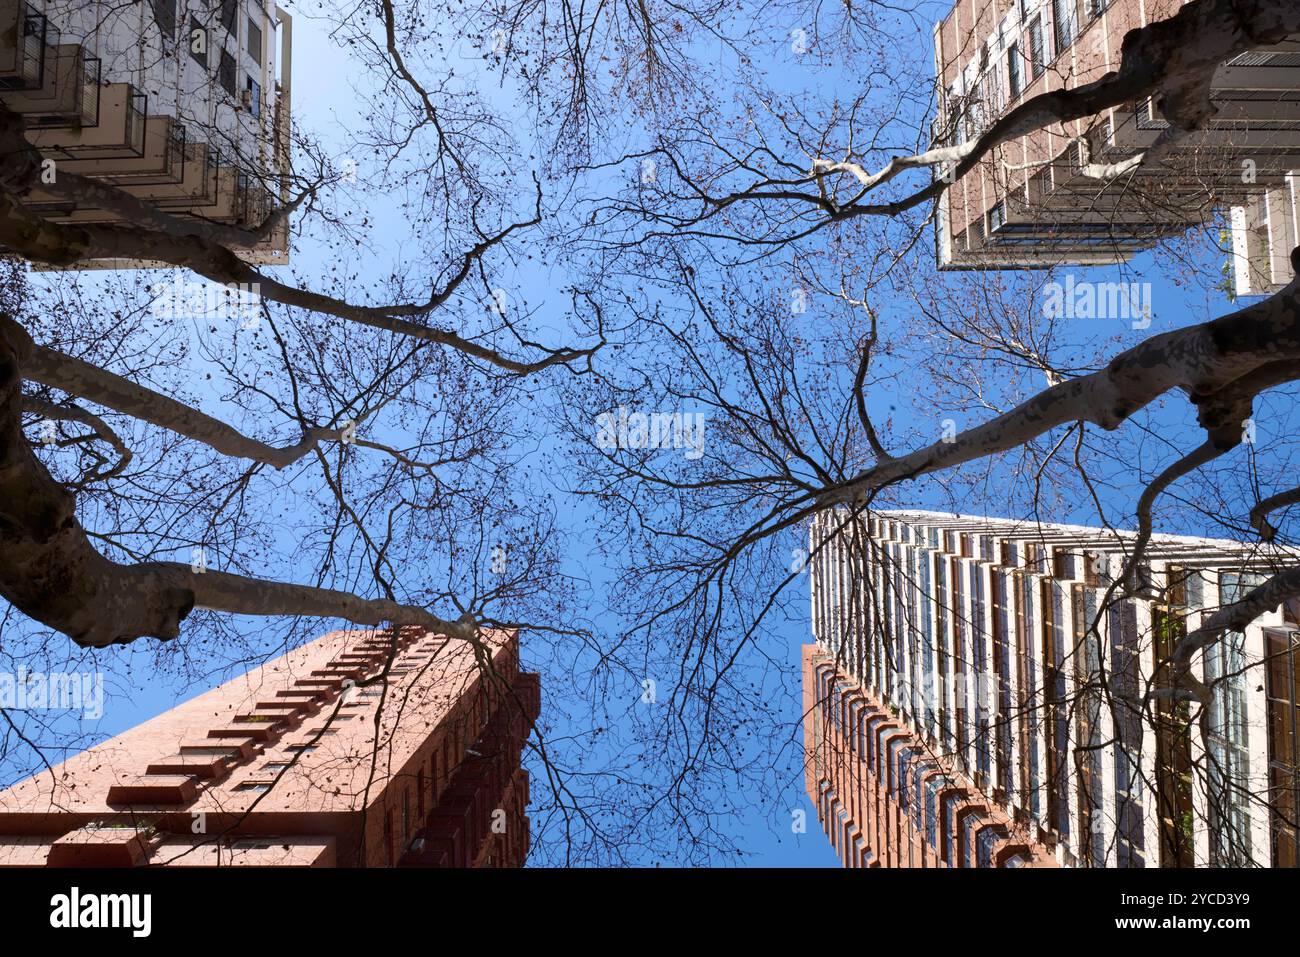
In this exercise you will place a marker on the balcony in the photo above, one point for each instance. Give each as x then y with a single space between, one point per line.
101 128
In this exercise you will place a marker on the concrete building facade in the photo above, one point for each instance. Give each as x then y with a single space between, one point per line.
308 760
1036 202
184 105
974 698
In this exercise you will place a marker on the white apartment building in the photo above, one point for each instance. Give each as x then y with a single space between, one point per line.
994 642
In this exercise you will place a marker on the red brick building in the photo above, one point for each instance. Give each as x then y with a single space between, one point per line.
312 759
1037 201
882 796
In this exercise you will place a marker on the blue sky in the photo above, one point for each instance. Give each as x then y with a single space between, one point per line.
327 104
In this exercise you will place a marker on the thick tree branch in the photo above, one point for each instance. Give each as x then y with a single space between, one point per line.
70 412
1172 59
50 571
148 234
108 389
1263 598
1259 514
1218 363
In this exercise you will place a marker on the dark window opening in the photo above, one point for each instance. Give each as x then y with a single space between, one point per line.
1065 20
1036 64
1173 753
226 72
253 42
229 14
1283 700
164 14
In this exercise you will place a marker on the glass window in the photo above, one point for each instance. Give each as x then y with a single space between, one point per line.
1173 750
1030 702
997 217
1036 61
1065 16
927 686
1088 672
1127 753
984 847
226 72
980 672
1228 749
1283 677
941 641
253 41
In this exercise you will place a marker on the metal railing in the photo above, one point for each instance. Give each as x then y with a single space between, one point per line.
89 93
31 52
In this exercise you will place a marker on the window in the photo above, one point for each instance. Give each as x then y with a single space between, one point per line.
406 814
226 72
1056 707
1126 683
1229 752
1013 69
1173 750
1002 623
229 14
260 786
303 748
918 789
390 851
931 809
250 844
963 847
419 794
253 41
941 632
927 647
164 14
948 814
1088 715
959 652
1035 32
1282 679
197 42
984 847
276 765
1029 691
979 652
997 217
1065 18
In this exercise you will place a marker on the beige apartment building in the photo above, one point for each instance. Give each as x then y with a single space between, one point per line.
182 104
1035 203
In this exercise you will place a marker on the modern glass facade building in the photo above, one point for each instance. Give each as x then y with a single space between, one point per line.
984 692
